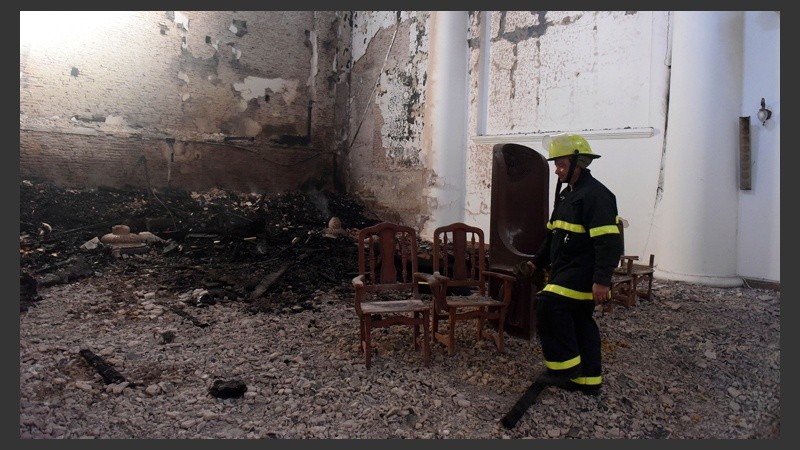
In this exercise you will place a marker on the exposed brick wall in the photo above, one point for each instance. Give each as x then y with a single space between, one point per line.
82 161
93 105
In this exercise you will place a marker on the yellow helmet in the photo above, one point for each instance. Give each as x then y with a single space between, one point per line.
559 145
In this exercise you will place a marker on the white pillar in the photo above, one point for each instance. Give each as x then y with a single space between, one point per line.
698 213
446 117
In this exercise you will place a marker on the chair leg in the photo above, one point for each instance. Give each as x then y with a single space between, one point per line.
634 292
501 331
451 333
416 331
480 327
426 339
649 286
367 333
361 334
625 293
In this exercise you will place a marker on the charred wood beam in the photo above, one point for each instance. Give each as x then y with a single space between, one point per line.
238 138
109 374
188 317
328 277
269 280
80 268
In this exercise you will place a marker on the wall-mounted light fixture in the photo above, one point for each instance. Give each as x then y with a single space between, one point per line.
764 114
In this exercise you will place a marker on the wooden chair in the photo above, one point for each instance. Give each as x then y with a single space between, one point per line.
459 262
387 286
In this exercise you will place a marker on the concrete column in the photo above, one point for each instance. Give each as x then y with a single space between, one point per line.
446 117
698 213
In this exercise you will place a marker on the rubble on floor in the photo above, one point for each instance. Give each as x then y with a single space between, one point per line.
273 251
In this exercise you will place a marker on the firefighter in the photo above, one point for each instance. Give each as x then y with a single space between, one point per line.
580 251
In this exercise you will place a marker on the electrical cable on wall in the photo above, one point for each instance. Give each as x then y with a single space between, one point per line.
377 83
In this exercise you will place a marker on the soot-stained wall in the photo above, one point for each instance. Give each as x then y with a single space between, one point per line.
386 161
190 100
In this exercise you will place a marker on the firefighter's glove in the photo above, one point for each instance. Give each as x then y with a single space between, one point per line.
523 271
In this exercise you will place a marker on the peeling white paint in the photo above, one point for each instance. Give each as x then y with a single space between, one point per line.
368 23
236 52
401 91
184 77
339 37
314 61
557 81
404 139
255 87
185 97
181 20
233 29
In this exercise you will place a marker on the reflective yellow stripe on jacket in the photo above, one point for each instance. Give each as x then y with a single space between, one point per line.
574 227
567 292
606 229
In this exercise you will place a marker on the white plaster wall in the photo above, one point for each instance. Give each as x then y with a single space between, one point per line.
607 75
587 70
603 74
759 238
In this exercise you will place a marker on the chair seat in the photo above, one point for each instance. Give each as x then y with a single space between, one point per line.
617 279
394 306
637 270
475 300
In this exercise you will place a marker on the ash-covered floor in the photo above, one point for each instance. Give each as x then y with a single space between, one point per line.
270 250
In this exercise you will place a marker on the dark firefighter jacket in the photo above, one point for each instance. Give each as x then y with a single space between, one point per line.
583 244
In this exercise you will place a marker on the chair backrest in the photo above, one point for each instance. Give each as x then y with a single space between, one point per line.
459 253
520 205
517 224
387 257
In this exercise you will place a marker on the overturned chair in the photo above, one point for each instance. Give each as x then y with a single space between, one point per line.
387 286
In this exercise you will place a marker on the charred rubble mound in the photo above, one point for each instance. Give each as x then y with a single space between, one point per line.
271 250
